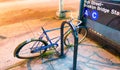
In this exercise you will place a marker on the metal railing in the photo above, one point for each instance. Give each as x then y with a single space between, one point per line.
75 34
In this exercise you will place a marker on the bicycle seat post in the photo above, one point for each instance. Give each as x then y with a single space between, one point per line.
44 31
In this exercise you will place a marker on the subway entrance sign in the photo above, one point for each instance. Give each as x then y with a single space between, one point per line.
103 18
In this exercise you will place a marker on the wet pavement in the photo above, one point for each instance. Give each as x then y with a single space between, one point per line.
90 57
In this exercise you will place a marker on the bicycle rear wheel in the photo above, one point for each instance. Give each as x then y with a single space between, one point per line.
24 50
69 37
82 33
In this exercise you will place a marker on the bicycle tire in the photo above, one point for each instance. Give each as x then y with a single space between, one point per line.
69 38
24 46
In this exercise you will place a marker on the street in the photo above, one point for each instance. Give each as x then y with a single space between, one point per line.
21 20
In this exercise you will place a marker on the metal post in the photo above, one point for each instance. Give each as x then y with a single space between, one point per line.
81 8
61 13
75 42
60 5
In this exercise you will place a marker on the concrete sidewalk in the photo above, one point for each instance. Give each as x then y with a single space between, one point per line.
90 57
13 34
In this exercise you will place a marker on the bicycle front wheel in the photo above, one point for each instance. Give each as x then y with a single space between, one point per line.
69 37
24 50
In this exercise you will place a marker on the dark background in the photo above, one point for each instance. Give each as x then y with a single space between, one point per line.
108 19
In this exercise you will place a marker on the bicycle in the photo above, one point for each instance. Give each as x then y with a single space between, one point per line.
37 47
81 29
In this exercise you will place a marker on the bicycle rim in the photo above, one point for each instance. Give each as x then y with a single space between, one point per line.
82 33
69 38
23 50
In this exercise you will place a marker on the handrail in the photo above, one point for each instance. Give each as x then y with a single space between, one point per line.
75 42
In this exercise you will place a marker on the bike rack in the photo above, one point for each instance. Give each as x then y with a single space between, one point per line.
75 42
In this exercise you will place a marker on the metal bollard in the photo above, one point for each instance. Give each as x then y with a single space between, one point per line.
75 42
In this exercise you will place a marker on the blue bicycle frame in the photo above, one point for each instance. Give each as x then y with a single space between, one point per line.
51 44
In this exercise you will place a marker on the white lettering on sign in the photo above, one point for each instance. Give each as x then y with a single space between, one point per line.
94 15
103 9
96 3
115 12
99 6
86 13
91 6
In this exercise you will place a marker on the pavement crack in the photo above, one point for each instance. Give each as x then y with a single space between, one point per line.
2 37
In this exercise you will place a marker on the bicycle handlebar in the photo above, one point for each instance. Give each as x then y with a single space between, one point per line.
74 19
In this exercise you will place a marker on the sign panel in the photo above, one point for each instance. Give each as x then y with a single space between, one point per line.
105 12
